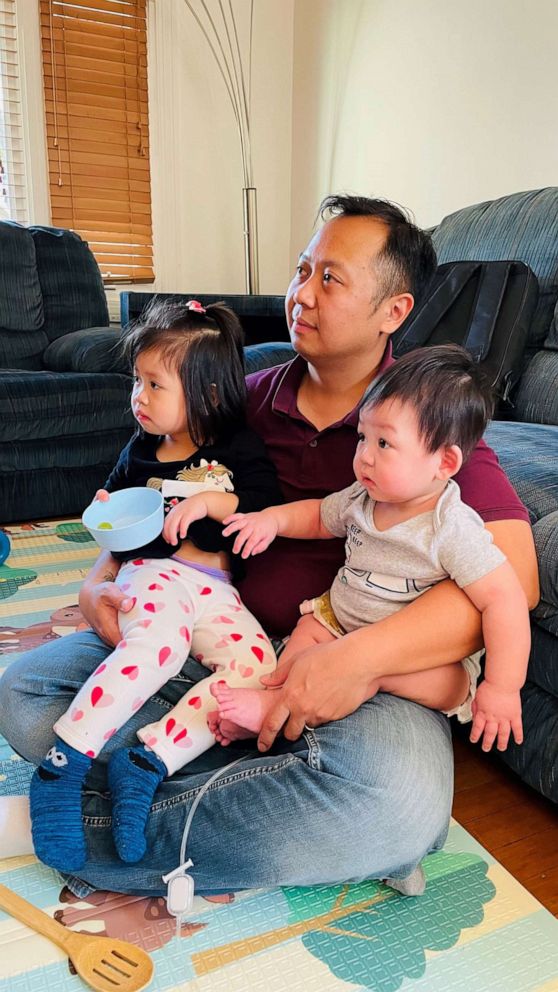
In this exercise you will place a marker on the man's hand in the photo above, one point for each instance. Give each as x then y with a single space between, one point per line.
323 683
100 604
182 515
255 531
496 713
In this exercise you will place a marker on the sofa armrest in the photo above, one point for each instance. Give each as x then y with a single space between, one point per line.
545 533
93 349
527 453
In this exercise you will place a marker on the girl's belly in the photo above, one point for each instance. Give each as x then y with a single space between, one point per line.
210 559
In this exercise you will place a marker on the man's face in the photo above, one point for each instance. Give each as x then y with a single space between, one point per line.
332 303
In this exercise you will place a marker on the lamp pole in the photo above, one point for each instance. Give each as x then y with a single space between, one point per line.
250 214
222 37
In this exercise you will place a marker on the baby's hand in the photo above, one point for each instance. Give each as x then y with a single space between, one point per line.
102 495
182 515
255 531
495 714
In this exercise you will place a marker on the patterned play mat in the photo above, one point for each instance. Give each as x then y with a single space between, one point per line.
476 929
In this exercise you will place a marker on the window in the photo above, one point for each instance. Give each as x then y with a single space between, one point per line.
13 195
95 83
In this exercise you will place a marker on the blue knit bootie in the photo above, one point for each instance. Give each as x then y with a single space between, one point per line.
133 774
55 797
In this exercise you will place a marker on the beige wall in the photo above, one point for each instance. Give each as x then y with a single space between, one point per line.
196 164
195 158
433 103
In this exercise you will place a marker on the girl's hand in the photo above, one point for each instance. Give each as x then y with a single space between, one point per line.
496 714
255 531
102 495
182 515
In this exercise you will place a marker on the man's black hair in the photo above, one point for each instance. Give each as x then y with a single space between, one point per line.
450 393
206 350
407 261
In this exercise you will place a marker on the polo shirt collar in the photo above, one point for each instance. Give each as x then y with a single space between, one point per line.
284 398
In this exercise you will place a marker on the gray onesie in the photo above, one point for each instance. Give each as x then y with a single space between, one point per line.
386 569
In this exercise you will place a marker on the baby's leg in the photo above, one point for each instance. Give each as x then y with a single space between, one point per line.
443 688
151 650
242 711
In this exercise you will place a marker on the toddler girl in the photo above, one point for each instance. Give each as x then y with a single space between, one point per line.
192 443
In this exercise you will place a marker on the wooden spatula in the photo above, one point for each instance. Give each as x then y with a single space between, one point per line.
106 965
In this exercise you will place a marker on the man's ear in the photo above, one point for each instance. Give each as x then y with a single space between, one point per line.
451 460
396 308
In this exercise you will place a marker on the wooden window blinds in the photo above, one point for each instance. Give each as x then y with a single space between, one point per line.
95 84
13 181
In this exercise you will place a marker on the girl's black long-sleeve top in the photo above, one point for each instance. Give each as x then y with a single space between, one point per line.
237 464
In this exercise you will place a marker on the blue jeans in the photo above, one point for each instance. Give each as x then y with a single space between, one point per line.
363 797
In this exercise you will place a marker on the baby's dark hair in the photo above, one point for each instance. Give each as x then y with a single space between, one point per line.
205 347
451 395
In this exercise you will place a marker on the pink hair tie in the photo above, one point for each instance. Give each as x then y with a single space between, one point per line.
195 305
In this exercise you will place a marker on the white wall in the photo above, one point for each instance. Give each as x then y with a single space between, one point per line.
432 103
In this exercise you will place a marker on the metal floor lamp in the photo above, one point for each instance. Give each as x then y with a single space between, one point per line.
222 37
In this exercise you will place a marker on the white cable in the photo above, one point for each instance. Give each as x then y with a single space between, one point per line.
180 885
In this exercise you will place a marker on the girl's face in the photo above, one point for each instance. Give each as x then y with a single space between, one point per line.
391 460
158 402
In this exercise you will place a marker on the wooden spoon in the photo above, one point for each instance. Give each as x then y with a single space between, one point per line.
106 964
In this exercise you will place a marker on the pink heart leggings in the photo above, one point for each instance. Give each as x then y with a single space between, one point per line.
178 610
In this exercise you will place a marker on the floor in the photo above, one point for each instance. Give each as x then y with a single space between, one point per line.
517 825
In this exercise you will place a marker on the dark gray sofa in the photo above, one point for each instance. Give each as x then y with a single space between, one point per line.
64 406
525 226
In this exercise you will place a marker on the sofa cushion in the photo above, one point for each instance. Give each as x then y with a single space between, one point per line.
537 396
552 339
527 453
522 226
93 349
71 284
20 350
21 302
22 339
47 405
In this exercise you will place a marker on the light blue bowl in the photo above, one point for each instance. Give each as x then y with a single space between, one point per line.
128 520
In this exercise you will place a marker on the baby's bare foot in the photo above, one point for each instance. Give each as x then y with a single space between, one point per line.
245 708
225 731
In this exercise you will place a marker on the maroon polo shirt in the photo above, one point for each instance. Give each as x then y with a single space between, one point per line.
310 465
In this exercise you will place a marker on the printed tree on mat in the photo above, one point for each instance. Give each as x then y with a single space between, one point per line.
368 935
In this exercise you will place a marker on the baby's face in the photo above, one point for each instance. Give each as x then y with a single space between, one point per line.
391 460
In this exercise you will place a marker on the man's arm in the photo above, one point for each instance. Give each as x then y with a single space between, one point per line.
100 599
327 682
